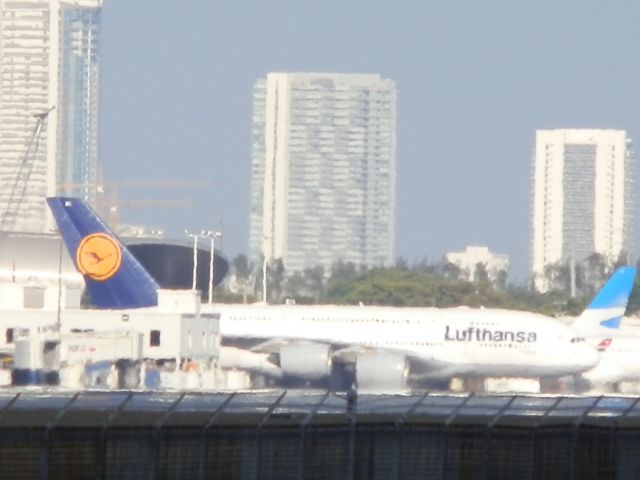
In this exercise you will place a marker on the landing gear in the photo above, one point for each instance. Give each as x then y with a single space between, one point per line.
550 385
437 384
474 385
613 387
580 384
467 385
342 378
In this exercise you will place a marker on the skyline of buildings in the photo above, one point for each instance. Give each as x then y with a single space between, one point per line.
323 153
323 169
49 62
581 197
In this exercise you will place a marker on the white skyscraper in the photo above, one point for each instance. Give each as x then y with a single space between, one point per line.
48 59
78 95
323 171
582 197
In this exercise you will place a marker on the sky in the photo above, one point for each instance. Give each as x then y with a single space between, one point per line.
474 79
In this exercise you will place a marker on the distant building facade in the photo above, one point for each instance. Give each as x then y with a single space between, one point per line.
475 258
323 169
79 92
49 58
582 197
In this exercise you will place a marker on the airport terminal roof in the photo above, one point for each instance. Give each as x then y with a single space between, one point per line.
108 409
34 253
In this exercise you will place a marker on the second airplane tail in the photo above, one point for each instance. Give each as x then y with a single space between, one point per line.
606 310
114 278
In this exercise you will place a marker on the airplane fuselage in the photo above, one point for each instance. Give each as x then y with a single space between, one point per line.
618 361
447 342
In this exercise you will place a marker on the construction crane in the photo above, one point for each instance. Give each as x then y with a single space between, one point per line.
109 203
114 208
25 167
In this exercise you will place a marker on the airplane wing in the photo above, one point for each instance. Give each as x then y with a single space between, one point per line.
343 353
273 345
301 354
339 352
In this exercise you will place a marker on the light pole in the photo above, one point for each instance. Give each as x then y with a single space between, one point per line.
265 248
58 320
264 280
212 235
195 257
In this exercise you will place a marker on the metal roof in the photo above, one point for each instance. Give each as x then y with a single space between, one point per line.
205 410
34 252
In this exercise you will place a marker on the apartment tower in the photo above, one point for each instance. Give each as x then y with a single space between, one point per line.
49 62
323 169
582 197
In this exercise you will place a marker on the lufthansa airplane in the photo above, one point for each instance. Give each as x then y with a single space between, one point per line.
389 347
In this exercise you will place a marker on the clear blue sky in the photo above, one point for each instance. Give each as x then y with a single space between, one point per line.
475 80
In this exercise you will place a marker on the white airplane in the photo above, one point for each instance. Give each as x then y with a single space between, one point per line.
390 347
618 348
393 347
618 363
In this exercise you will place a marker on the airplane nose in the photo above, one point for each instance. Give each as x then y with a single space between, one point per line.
587 355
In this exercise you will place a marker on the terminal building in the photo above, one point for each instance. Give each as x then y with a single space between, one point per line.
50 334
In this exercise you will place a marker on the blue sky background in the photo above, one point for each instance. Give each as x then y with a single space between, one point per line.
475 80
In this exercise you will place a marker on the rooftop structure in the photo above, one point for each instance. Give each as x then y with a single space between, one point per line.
476 261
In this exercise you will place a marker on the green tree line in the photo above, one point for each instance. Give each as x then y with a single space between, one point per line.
420 285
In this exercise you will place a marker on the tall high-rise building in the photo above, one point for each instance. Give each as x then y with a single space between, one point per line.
582 197
323 169
79 98
49 61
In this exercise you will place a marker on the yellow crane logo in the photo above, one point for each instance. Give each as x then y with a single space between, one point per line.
98 256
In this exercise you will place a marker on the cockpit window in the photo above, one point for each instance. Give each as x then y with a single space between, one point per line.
577 339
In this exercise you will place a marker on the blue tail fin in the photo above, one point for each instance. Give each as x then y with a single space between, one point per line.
607 308
114 277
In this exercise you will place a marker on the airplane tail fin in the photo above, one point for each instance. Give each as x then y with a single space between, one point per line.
606 310
114 278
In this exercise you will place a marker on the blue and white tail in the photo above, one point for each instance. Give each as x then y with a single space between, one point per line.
606 310
114 278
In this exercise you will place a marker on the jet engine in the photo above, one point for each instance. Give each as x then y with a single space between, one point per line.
311 361
238 358
381 372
